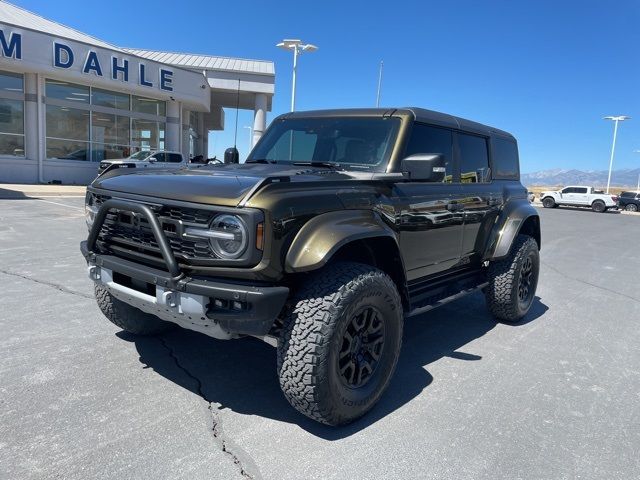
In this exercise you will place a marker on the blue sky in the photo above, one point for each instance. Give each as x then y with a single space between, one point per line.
547 71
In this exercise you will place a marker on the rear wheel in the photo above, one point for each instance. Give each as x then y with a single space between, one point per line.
598 206
548 202
632 207
128 318
513 281
340 342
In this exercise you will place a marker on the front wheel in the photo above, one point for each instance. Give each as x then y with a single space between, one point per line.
598 206
548 202
632 207
340 342
513 281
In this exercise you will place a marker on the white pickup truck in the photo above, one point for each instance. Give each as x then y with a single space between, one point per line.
146 159
579 196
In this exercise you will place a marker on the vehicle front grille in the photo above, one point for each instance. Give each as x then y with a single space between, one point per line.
128 234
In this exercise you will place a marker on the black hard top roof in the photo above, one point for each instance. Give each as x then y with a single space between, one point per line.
420 114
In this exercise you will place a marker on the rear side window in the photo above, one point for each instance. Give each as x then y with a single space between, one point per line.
505 159
474 159
426 139
580 190
174 157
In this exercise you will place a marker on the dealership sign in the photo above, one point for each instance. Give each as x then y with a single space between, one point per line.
64 57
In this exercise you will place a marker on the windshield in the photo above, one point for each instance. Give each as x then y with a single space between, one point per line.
140 155
348 142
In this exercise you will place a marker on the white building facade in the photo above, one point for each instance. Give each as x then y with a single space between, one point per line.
68 100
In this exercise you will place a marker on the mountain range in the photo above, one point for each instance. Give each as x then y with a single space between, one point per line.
624 178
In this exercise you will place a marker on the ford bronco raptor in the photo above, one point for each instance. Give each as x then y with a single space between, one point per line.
339 225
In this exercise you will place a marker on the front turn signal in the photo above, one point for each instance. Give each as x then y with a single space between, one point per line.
260 236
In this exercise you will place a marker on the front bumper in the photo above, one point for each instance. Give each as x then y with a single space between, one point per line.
191 303
219 309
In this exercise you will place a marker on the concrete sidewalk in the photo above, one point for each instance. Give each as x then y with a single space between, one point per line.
11 190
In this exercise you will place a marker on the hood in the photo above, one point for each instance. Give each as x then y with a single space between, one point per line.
223 185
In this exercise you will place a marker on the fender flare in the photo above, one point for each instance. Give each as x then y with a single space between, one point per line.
319 238
507 227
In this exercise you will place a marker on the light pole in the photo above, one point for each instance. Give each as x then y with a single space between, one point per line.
379 84
616 119
298 48
638 187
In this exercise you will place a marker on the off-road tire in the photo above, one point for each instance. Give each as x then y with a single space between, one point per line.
312 339
504 277
128 318
598 206
631 207
548 202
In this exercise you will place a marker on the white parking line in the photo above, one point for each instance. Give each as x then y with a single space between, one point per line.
61 204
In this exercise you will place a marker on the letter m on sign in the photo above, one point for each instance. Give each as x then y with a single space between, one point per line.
11 48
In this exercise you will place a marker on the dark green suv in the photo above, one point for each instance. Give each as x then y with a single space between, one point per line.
339 226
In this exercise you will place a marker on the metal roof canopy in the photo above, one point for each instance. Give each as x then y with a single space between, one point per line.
223 73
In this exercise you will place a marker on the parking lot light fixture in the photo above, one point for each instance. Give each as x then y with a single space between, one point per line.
616 119
298 48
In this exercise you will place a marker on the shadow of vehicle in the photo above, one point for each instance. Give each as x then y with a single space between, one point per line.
583 209
6 194
241 375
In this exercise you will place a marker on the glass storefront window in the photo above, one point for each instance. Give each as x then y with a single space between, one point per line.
107 128
67 123
147 134
67 91
148 105
67 149
101 152
11 127
12 145
11 82
11 116
106 98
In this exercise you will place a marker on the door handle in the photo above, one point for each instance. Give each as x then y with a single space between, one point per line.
455 207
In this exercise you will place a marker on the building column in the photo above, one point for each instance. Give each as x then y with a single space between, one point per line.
185 134
201 135
259 117
31 130
173 129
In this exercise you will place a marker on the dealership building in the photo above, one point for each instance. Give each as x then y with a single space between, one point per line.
69 100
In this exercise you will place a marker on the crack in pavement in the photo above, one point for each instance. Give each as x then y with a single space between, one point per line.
584 282
61 288
216 428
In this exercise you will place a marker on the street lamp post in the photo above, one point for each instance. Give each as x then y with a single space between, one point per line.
298 49
616 119
638 187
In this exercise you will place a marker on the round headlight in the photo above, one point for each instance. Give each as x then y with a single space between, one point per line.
234 243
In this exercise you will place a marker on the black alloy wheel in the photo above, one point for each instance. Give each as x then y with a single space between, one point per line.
362 346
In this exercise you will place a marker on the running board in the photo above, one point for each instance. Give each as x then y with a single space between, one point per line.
444 301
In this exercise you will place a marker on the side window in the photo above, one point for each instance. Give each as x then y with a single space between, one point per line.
504 154
580 190
159 157
568 190
474 159
173 157
426 139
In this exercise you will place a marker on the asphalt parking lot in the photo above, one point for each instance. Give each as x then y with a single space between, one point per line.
557 396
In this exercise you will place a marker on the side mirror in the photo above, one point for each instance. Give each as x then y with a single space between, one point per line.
231 155
152 159
427 167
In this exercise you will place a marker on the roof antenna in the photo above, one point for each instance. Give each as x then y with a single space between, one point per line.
231 155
